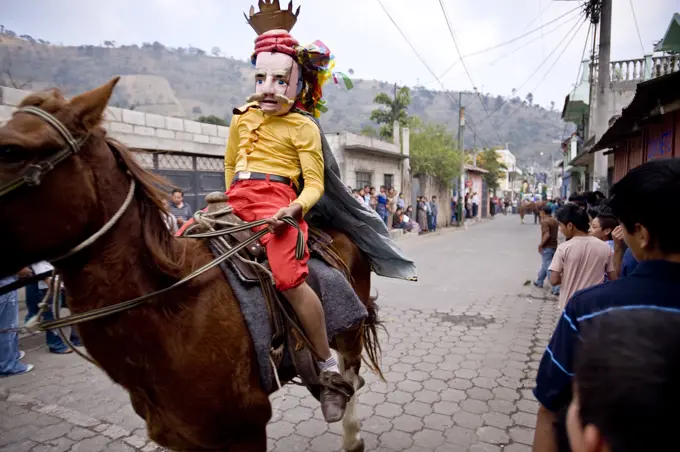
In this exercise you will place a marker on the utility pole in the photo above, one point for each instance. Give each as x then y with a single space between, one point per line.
599 177
461 148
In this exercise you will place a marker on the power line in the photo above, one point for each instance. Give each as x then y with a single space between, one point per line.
583 54
545 60
488 49
642 46
551 68
539 14
403 35
455 43
507 54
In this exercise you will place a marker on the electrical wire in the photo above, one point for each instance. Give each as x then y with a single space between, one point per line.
578 73
488 49
642 46
462 60
507 54
415 51
550 69
545 60
540 14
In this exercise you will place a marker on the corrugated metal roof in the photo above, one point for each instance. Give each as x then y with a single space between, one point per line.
649 97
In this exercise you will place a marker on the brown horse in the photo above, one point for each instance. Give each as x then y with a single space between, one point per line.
186 358
530 207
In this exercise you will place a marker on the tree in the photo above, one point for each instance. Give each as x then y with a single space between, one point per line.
499 102
212 119
433 151
396 110
552 105
369 131
530 98
216 51
489 160
109 43
197 110
6 77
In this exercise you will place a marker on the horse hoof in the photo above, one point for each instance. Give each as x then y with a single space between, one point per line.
360 448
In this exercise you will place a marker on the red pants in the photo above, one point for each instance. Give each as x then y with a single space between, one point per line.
254 200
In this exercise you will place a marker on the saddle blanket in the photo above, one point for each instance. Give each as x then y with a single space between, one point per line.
341 306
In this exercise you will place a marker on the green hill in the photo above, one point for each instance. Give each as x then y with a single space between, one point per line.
188 82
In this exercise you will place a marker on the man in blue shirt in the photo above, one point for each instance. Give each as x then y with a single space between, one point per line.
640 201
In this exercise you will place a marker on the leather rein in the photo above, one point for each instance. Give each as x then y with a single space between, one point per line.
33 175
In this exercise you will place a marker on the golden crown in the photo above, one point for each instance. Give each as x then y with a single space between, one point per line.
272 17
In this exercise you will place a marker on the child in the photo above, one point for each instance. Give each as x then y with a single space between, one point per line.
602 227
582 261
626 389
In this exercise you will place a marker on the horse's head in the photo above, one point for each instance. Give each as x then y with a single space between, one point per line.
48 215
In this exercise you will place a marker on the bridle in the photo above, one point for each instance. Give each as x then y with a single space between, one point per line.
33 175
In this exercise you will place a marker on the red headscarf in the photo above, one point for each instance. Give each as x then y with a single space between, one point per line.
276 41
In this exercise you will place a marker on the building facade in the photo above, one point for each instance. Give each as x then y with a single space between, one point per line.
648 129
190 154
579 107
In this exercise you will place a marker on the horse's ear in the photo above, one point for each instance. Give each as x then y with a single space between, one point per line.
89 106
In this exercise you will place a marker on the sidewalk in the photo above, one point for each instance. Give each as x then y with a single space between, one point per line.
399 235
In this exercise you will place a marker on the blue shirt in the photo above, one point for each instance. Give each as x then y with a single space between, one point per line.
628 264
653 285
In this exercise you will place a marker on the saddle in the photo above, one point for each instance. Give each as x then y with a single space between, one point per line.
251 267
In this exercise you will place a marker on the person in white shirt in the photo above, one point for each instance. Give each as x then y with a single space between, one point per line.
475 204
35 293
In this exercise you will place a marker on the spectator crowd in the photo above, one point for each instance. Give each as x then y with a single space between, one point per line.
608 378
391 207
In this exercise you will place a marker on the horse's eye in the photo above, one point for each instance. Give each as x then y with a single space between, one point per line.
11 154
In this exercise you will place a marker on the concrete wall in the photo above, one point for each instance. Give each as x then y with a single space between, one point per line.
151 132
358 153
144 130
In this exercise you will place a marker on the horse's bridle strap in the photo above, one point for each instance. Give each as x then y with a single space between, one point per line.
34 173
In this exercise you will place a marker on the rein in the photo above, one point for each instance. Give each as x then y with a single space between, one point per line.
33 175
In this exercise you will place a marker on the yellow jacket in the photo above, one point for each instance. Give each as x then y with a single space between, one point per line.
287 145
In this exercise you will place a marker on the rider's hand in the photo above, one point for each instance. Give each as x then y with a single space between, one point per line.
275 223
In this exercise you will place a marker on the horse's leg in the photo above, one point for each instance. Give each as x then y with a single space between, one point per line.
351 425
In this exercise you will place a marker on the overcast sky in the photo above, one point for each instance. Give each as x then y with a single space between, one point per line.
362 37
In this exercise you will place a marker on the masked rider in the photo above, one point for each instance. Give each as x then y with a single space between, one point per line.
271 149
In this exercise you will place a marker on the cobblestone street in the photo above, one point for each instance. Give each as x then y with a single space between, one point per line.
460 357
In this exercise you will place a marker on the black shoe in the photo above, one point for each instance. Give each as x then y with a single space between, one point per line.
335 393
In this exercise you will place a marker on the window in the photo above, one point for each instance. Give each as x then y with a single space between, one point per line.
389 181
363 179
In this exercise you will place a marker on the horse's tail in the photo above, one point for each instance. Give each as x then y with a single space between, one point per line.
370 337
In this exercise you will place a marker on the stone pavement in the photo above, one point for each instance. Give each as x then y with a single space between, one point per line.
463 348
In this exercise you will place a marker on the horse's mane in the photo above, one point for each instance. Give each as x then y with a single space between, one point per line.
161 245
169 258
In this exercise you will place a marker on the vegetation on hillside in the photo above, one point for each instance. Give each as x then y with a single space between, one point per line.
206 84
